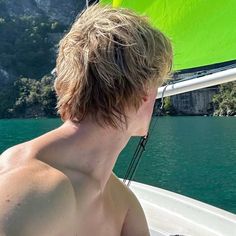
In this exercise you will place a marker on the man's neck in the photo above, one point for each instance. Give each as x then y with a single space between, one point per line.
88 148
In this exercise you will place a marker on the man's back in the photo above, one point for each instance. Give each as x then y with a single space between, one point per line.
37 199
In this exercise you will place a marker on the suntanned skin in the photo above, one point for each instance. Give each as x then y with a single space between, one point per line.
61 183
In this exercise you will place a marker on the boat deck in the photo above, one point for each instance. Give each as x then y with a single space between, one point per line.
171 214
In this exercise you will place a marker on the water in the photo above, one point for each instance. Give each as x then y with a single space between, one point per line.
193 156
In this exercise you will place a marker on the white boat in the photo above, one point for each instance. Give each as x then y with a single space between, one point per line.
172 214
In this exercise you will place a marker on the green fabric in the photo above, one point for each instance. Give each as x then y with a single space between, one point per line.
203 32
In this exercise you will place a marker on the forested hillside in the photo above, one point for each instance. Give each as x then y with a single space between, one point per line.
29 33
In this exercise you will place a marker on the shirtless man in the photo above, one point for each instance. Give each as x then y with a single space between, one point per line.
109 66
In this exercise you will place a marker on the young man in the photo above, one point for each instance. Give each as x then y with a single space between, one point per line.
109 67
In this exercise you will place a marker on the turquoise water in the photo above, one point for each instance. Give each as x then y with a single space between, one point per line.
193 156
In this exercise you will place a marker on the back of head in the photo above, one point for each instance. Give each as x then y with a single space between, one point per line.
106 63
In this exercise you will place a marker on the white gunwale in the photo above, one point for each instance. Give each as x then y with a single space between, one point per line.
198 83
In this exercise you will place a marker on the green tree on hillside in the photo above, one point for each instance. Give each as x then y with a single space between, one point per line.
225 101
34 98
25 45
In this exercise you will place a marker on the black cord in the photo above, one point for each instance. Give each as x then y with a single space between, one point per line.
135 161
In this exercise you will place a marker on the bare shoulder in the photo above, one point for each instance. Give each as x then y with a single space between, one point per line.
129 196
15 165
135 223
33 197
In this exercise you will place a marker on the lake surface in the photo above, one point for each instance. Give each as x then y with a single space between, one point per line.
193 156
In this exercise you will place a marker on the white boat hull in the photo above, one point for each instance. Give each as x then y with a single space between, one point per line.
172 214
198 83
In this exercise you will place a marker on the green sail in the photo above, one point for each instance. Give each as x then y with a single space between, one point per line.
203 32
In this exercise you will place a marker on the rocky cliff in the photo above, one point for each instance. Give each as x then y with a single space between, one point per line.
197 102
202 101
30 27
63 11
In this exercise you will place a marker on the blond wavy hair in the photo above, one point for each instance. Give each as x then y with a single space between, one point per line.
106 63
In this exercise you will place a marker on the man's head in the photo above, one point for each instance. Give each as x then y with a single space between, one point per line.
106 65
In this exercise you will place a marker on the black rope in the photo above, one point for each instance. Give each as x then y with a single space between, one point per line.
135 161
